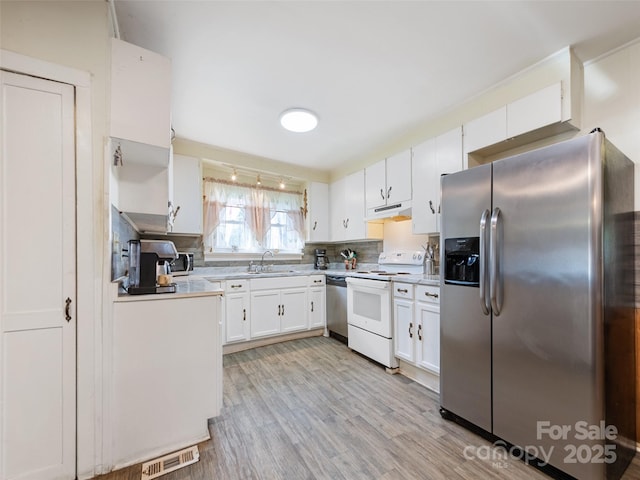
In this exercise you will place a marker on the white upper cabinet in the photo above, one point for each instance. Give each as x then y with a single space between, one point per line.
399 177
187 195
347 210
389 181
425 176
140 95
436 157
318 212
376 184
537 110
545 111
486 130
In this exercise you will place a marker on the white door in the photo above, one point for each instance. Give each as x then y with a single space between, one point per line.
428 323
37 279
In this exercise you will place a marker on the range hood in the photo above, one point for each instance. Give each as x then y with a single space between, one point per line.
147 222
393 211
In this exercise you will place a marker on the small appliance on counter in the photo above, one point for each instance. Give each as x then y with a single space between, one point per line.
321 262
149 265
183 265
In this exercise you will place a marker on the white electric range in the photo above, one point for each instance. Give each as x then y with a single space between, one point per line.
370 301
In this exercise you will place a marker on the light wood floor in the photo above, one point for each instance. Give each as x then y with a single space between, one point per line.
312 409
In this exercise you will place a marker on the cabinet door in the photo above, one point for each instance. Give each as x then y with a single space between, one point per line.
317 307
187 194
140 95
354 205
486 130
294 310
426 188
237 319
337 209
534 111
267 312
404 329
398 178
318 216
448 159
375 185
428 322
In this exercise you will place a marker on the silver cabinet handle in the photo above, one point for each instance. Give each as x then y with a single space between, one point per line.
312 306
345 223
282 309
315 225
279 310
484 299
420 332
433 211
244 314
382 194
494 273
317 281
410 330
236 286
402 290
388 193
434 295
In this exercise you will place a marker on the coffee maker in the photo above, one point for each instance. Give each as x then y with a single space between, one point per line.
148 259
321 262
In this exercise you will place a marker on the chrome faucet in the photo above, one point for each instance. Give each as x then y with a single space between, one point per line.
262 259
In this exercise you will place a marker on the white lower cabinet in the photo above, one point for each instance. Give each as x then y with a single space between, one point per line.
166 375
237 311
294 310
317 302
267 305
417 325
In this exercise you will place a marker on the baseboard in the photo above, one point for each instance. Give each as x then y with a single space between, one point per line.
262 342
418 375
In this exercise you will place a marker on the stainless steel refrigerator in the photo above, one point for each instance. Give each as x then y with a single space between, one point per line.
537 304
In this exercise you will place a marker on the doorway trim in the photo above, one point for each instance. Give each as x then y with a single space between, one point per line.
89 280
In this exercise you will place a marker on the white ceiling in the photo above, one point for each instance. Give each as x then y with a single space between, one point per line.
372 71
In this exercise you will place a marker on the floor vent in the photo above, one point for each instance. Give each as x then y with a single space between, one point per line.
169 463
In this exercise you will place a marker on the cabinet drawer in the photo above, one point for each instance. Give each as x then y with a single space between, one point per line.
272 283
428 293
316 280
403 290
236 286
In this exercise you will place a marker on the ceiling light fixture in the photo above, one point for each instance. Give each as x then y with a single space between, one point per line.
282 185
298 120
234 175
258 182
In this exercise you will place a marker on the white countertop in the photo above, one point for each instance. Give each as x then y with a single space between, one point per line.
205 282
186 286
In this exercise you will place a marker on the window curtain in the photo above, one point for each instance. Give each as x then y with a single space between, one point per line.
260 204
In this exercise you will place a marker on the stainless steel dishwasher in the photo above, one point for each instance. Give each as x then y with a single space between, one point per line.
337 307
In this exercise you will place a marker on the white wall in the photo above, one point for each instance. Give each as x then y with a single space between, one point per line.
612 102
398 236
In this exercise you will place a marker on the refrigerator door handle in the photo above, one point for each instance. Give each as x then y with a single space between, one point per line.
484 299
494 268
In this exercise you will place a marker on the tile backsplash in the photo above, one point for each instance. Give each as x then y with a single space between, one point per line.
122 232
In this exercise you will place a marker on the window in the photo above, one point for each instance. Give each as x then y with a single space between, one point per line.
242 218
